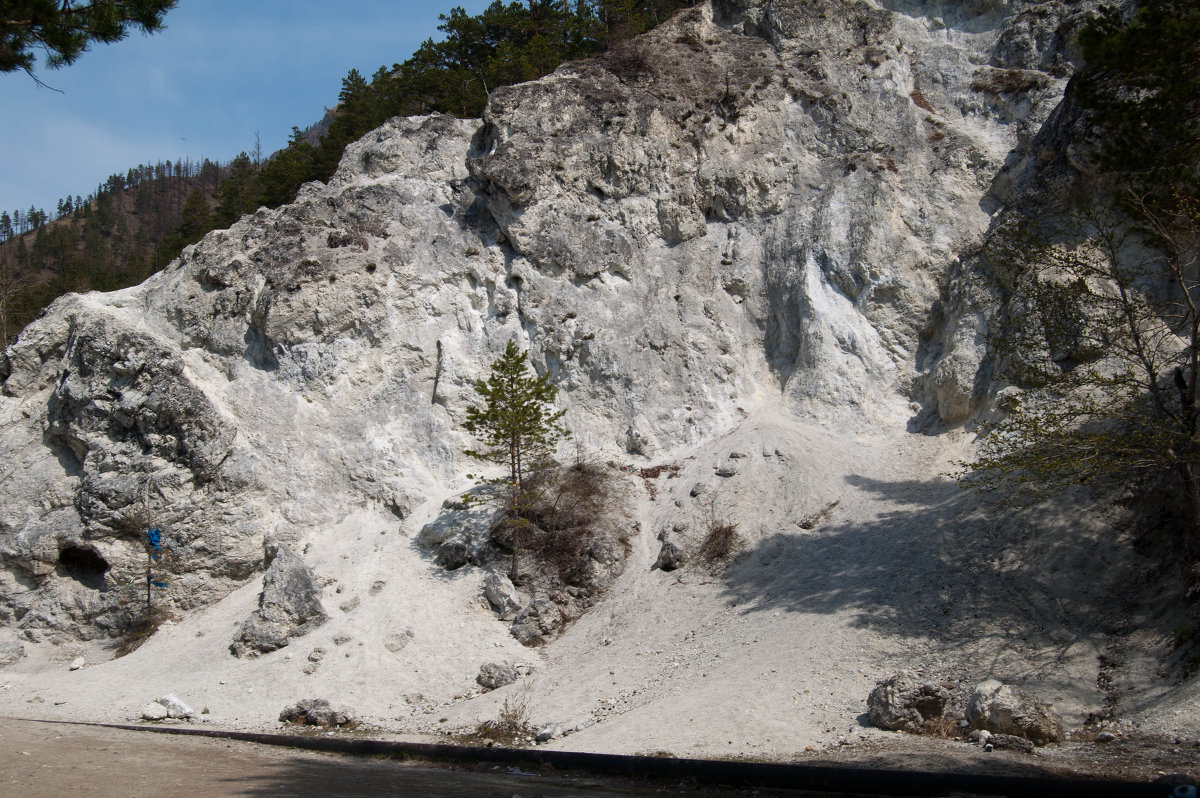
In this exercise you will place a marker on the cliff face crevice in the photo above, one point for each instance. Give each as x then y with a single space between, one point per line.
755 204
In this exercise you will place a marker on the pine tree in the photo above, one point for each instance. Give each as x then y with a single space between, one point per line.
519 428
195 218
239 192
64 28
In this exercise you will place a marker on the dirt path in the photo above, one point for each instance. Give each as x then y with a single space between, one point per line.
51 760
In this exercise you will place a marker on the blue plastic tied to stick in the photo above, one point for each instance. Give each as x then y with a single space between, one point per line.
155 538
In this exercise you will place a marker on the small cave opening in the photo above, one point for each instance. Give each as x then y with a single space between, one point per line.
85 566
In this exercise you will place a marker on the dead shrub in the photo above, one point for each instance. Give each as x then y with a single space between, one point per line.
137 627
511 728
649 475
720 544
560 513
919 100
629 60
943 728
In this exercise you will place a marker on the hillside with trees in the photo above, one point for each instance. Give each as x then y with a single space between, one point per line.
134 224
129 227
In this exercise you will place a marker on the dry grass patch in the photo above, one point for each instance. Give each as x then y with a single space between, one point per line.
943 728
1008 81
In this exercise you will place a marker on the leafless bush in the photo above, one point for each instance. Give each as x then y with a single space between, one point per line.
629 60
720 543
139 626
510 728
943 728
651 474
919 100
564 505
1008 81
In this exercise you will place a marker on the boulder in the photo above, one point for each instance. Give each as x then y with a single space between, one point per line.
551 731
493 675
453 554
500 593
670 557
10 653
154 711
903 702
76 664
289 605
1011 742
176 709
316 712
1004 709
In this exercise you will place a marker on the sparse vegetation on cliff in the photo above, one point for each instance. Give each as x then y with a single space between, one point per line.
1102 327
519 429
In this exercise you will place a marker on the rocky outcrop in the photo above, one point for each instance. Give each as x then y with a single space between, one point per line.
754 203
539 620
288 607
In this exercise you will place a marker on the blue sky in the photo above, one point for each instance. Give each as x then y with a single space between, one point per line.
201 88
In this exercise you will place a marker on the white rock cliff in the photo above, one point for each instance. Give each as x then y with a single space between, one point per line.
756 205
